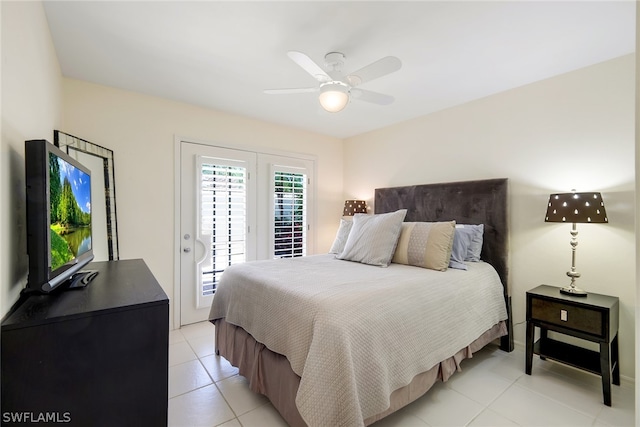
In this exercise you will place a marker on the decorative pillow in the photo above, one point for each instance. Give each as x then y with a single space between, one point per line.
425 244
461 240
475 247
341 236
373 238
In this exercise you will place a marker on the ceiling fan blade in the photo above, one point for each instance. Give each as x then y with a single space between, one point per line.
309 66
292 90
381 67
370 96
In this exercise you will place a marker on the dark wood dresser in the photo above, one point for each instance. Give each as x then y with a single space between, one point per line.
96 356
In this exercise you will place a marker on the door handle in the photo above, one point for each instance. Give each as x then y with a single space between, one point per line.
186 250
206 256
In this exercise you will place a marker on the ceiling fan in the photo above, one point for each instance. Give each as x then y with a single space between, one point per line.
335 88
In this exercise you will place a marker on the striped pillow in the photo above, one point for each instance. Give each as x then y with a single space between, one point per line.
373 238
425 244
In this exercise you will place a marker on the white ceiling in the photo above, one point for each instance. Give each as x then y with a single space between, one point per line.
221 55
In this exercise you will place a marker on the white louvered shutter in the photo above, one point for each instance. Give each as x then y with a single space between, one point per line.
223 219
290 223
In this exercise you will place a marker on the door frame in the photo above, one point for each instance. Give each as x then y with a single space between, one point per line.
177 241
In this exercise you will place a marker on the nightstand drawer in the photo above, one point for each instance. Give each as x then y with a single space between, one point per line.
579 318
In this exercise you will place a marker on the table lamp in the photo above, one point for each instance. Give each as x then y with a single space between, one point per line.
352 207
575 208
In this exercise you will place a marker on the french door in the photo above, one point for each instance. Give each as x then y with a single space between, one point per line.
237 206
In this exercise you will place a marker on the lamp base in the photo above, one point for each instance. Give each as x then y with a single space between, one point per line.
576 292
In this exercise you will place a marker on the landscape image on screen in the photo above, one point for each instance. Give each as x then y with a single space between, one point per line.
70 211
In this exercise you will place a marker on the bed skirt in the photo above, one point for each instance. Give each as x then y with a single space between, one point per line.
270 373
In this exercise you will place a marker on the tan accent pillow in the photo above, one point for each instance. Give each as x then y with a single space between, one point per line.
425 244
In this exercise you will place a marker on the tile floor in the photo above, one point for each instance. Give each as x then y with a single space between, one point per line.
492 390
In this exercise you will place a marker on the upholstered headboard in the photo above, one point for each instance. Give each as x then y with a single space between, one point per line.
467 202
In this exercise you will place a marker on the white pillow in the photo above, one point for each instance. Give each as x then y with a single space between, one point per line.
373 238
341 236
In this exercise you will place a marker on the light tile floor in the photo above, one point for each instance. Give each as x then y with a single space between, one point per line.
492 390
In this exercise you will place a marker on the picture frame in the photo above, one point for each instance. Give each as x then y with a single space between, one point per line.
100 161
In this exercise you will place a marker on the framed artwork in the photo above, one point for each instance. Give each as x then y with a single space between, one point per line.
99 160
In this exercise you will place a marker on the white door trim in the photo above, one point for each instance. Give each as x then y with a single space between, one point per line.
175 322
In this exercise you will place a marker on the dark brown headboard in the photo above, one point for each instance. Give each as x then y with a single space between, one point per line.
466 202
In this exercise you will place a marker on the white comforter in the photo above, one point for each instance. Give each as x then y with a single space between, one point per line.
355 333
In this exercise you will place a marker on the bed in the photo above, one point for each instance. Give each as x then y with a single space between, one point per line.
335 342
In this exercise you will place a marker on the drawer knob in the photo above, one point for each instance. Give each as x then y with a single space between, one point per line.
563 315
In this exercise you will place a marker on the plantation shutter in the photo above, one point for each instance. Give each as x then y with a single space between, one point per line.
290 223
223 218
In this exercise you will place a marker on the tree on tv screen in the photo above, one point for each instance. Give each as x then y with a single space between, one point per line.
69 223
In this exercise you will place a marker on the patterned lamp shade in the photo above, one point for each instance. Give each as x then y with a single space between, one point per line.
576 208
352 207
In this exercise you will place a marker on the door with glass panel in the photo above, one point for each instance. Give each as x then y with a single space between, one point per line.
217 219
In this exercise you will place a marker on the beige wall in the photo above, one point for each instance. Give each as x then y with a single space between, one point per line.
31 101
637 159
140 130
571 131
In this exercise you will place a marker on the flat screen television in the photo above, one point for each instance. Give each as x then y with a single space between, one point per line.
58 218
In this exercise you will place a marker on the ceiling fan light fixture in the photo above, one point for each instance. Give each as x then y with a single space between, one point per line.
334 96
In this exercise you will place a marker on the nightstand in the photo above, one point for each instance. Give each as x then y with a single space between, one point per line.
593 318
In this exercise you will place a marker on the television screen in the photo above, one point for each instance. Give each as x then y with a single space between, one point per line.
58 217
70 211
